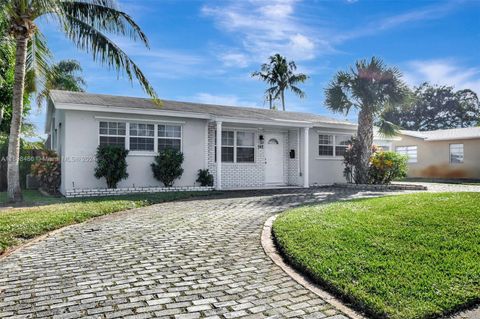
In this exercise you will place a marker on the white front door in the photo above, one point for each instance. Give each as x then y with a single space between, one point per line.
274 150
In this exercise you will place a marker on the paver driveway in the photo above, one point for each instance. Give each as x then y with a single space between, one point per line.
187 259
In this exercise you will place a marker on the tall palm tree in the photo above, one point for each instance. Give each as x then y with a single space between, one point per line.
280 75
62 76
370 87
86 23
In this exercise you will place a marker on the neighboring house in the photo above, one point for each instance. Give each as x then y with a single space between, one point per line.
447 154
258 147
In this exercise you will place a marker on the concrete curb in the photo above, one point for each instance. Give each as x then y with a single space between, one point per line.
271 251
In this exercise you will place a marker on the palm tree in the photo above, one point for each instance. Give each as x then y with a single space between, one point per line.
86 23
62 76
371 88
280 75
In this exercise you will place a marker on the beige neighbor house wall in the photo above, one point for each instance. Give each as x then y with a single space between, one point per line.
433 158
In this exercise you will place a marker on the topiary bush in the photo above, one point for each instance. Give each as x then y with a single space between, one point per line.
48 171
205 178
111 164
168 166
387 166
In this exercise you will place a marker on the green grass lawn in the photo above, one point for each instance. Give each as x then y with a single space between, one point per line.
408 256
19 224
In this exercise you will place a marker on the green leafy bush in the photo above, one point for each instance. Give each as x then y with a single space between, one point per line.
204 177
387 166
111 164
48 171
168 166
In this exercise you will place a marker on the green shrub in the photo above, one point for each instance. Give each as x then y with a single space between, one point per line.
168 166
111 164
387 166
48 171
204 177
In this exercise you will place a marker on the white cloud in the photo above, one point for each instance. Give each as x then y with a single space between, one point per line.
263 28
443 72
231 100
234 59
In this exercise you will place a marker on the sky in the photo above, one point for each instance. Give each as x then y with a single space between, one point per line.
205 51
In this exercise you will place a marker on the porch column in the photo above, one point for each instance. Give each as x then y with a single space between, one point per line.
306 156
219 155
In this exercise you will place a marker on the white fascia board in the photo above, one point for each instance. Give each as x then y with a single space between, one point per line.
262 122
351 127
433 139
159 112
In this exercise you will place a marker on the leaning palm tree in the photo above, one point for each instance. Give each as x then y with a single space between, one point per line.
280 75
371 88
86 23
62 76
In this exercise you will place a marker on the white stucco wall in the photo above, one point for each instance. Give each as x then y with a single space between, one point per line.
81 134
325 170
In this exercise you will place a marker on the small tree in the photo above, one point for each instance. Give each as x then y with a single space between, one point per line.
111 164
168 166
48 171
204 177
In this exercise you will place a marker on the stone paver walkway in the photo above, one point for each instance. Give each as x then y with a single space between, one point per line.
190 259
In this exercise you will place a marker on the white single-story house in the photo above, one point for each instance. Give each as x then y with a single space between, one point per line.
258 147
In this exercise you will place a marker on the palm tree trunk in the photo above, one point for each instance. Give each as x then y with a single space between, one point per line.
270 99
13 174
283 100
365 139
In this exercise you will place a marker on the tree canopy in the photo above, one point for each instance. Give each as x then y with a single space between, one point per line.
434 107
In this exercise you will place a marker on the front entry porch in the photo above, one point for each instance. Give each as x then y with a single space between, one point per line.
246 156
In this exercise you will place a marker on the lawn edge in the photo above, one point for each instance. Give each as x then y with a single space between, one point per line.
270 249
311 282
27 243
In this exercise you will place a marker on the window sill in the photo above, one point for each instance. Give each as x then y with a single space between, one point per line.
331 158
139 153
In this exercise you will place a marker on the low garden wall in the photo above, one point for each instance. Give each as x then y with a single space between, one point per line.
382 187
132 190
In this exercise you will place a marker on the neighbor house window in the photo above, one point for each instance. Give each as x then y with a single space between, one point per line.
237 147
169 137
456 153
409 151
332 145
112 133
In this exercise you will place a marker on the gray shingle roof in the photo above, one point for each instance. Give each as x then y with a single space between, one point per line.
188 107
449 134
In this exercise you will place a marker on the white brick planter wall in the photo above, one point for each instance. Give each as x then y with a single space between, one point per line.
380 187
70 193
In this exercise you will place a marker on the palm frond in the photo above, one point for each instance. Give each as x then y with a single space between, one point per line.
87 38
38 61
387 128
103 15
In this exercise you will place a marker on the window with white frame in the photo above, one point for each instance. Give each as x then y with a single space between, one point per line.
169 137
245 147
142 137
456 153
409 151
330 145
237 147
112 133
